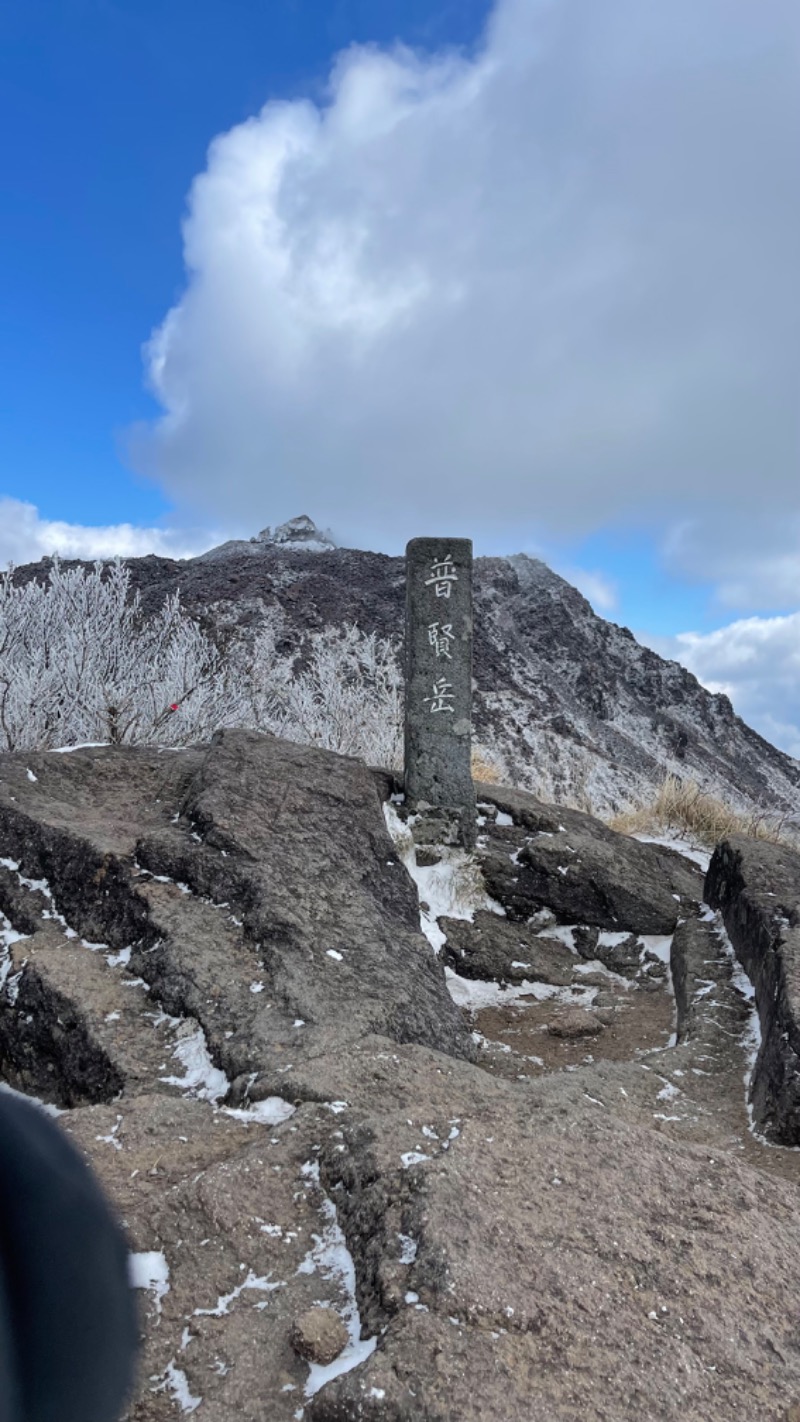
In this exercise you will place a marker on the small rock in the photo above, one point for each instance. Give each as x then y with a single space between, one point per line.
575 1022
606 1015
319 1336
604 998
427 855
598 980
585 940
543 918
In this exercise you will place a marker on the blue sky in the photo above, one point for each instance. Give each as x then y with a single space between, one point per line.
530 276
111 108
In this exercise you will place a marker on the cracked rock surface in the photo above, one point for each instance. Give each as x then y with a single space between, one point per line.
213 967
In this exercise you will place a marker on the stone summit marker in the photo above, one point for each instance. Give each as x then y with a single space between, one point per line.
438 710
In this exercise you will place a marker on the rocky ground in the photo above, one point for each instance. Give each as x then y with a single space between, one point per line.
486 1120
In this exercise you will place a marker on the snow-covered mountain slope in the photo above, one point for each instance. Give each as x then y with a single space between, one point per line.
574 706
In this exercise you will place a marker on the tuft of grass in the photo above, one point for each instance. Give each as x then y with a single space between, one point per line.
682 807
488 767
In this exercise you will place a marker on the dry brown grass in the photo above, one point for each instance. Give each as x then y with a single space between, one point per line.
682 807
487 767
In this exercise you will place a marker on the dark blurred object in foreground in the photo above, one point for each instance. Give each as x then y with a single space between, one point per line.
68 1328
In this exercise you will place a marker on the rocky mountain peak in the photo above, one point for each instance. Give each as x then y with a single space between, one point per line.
300 532
297 534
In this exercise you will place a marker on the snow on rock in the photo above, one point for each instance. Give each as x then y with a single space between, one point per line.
474 995
453 888
686 847
264 1285
269 1112
202 1078
331 1256
149 1270
83 745
751 1037
174 1381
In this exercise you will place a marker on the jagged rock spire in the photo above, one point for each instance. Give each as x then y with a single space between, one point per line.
300 532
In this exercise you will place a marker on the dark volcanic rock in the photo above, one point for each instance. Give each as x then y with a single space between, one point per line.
293 878
756 886
581 870
491 947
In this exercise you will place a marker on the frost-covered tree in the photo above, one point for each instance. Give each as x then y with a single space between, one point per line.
344 694
80 661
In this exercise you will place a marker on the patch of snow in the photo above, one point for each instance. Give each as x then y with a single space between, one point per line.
608 939
408 1249
564 932
111 1138
84 745
475 994
333 1259
668 1092
175 1381
223 1304
658 944
165 879
31 775
269 1112
450 889
686 847
150 1270
501 818
202 1080
413 1157
331 953
114 960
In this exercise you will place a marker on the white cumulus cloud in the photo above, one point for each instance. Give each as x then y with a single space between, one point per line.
535 288
25 537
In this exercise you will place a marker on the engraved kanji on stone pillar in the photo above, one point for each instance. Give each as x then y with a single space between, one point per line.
438 712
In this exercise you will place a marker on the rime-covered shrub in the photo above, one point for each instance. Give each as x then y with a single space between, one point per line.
346 697
80 661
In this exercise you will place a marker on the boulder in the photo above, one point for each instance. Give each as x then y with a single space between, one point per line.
609 883
756 887
574 1023
492 947
319 1335
269 857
